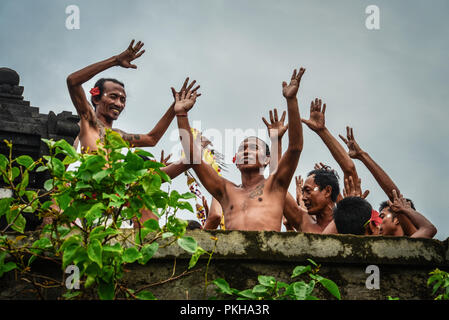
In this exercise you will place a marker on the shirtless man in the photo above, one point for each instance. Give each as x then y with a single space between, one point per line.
391 226
109 100
257 203
382 178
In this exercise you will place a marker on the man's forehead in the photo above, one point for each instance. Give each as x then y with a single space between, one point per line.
110 86
252 140
310 181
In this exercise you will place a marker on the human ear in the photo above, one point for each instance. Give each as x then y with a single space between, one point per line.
328 191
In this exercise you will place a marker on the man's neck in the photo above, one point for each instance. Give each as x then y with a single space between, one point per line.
324 217
107 123
251 178
399 232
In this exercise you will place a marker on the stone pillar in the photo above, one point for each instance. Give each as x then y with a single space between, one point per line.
22 124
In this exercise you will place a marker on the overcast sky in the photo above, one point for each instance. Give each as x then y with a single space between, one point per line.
389 84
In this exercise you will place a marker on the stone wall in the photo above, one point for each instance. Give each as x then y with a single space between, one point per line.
240 257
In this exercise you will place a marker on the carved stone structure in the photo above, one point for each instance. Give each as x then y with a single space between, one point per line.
25 126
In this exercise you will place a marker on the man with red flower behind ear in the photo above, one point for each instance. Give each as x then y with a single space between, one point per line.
108 98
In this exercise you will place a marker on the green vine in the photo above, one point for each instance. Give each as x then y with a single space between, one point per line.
86 208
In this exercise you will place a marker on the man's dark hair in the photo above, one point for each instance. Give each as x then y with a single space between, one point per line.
384 205
323 178
100 85
193 224
351 215
267 148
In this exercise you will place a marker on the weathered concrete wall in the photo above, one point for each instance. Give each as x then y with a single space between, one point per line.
240 257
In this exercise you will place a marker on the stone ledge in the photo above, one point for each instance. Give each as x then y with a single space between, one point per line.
290 246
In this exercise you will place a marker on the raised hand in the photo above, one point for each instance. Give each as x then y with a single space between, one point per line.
186 87
165 160
399 203
289 91
352 189
184 101
276 128
355 152
299 185
317 119
131 53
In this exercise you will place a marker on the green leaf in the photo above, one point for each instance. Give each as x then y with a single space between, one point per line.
131 254
106 290
223 286
100 175
15 172
72 240
82 185
267 281
3 162
94 252
152 225
99 233
19 220
143 153
247 294
48 185
26 161
328 284
94 212
312 262
4 205
70 295
58 167
300 290
42 243
114 140
67 149
50 143
145 295
184 205
187 195
167 235
260 289
64 200
148 251
116 249
69 254
41 168
300 270
189 244
7 267
194 259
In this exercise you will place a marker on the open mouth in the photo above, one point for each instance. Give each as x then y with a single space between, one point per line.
307 204
116 110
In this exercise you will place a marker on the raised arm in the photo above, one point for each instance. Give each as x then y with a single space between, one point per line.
214 215
298 217
276 130
382 178
76 79
289 161
213 183
317 124
152 138
400 206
